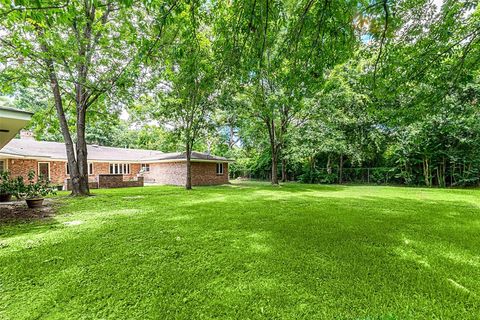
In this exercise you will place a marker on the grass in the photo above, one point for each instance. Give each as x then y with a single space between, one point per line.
248 251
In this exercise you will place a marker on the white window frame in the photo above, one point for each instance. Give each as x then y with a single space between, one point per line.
145 167
90 169
3 167
219 166
38 168
119 168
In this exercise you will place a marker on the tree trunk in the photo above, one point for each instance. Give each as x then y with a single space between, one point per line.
274 170
312 169
453 180
284 169
285 118
231 143
82 160
426 172
77 186
188 184
274 149
340 170
329 167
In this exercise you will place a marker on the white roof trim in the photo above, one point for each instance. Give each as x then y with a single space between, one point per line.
14 157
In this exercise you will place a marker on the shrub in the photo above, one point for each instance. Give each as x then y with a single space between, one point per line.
6 184
33 189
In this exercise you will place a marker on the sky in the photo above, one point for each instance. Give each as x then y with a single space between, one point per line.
438 3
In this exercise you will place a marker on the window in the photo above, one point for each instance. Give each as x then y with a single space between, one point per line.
90 168
219 168
2 166
145 167
119 168
44 170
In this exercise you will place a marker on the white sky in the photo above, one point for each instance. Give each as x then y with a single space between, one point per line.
438 3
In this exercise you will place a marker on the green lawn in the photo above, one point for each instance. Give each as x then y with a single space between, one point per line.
248 250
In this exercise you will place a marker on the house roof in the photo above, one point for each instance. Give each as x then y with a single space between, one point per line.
29 148
11 121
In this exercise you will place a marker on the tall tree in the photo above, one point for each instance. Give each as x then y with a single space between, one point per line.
84 50
280 49
186 101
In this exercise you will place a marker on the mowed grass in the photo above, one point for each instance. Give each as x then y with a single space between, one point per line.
248 251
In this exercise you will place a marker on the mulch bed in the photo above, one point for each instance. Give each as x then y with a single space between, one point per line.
18 210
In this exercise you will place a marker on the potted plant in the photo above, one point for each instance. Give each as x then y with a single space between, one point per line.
6 187
35 191
18 187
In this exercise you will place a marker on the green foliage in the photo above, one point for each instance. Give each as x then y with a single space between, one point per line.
34 188
6 183
320 88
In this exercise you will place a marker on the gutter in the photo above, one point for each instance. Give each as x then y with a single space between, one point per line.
44 158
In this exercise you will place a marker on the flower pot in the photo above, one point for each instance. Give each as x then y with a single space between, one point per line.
5 197
34 203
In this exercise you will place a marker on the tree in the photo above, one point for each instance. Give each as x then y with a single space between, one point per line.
84 50
280 50
188 97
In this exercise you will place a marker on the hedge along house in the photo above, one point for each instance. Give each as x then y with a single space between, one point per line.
49 159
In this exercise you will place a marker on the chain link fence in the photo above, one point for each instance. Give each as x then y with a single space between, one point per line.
375 175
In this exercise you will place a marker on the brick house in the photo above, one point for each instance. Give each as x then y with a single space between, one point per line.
49 159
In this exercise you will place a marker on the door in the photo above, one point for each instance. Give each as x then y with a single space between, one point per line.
44 170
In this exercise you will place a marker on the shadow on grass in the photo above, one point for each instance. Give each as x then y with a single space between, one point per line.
221 252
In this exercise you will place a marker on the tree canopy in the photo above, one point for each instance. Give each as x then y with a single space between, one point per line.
318 91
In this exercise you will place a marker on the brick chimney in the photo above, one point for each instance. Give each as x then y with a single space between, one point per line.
26 135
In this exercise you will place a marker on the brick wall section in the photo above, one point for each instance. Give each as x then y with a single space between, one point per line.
21 167
175 173
134 170
104 168
106 181
58 169
118 181
91 185
171 173
100 168
205 173
58 172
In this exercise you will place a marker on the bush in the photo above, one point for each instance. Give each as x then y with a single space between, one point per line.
33 189
6 184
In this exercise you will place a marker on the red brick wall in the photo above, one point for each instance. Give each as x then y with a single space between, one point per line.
134 170
172 173
111 181
58 171
205 173
21 167
118 181
175 173
100 168
104 168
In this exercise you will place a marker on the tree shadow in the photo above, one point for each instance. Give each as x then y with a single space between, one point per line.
244 254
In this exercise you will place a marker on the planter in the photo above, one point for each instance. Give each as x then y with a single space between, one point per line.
5 197
34 203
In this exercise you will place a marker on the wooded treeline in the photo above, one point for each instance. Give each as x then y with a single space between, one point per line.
293 90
